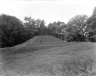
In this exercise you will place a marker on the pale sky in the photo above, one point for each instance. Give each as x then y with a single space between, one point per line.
49 10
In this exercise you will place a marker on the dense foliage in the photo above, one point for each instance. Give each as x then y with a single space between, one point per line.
79 28
11 31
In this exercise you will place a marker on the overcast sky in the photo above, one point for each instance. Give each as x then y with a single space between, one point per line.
49 10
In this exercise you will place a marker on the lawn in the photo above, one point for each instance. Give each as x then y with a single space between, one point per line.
50 59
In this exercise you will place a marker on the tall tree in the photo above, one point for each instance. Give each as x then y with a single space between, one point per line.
94 12
79 22
56 29
11 30
91 27
30 26
76 28
42 28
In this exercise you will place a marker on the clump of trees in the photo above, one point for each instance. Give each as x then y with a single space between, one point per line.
11 31
80 28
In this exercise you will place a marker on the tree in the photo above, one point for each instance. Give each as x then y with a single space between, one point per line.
76 28
91 27
37 23
11 30
30 27
78 22
56 29
92 17
94 12
42 28
29 23
91 35
91 31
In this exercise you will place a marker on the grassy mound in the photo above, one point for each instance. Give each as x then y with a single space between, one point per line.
47 57
36 43
40 41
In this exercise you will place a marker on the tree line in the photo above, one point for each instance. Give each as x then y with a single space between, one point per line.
80 28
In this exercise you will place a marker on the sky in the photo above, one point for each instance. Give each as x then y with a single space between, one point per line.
49 10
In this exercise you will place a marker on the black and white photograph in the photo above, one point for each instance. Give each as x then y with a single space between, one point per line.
47 37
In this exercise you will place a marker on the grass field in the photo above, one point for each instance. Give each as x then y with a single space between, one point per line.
49 56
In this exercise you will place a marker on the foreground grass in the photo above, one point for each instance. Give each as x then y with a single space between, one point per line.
71 68
23 48
69 59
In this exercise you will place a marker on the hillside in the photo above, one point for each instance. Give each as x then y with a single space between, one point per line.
50 57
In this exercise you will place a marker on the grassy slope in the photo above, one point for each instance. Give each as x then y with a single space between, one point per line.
37 43
50 58
72 59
